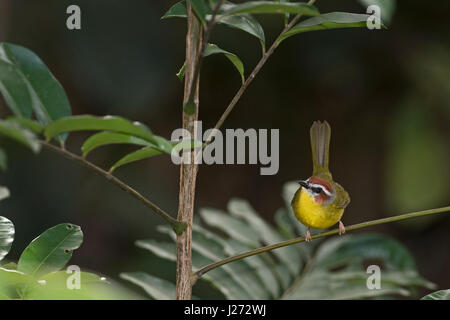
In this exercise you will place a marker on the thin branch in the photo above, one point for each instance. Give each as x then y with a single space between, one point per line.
177 225
252 75
366 224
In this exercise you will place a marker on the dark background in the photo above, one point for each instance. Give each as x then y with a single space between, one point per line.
385 93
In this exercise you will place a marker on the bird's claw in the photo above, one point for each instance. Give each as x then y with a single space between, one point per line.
308 236
341 228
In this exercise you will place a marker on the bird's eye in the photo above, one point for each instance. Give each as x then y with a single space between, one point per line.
316 190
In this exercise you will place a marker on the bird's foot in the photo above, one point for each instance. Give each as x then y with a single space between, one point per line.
341 228
308 236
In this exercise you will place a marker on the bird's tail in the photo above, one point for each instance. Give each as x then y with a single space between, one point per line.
320 145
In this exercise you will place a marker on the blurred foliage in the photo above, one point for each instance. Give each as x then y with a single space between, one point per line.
331 269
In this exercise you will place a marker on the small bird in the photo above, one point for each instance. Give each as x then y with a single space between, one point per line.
320 202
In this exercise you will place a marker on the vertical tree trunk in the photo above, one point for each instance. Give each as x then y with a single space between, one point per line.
188 172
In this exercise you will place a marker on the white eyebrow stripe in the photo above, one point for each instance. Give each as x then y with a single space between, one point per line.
315 185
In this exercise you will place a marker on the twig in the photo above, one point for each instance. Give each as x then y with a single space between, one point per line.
217 264
204 44
252 75
177 225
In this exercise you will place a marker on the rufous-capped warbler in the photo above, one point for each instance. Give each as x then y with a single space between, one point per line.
320 202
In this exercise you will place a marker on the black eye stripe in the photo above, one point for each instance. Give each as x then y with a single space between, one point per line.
316 190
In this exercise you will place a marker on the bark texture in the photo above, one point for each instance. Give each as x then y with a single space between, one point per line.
188 172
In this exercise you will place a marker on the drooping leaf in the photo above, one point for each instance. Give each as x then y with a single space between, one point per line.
220 279
51 250
284 223
156 288
268 235
200 8
6 236
339 270
214 49
333 20
106 138
27 123
254 264
244 22
16 132
353 250
233 227
212 247
339 286
27 84
141 154
272 7
88 122
263 265
438 295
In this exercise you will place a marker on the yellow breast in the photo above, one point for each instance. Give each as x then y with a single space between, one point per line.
313 214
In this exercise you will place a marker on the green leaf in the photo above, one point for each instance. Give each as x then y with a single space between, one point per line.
387 7
200 8
3 160
212 247
9 266
218 277
438 295
106 138
17 132
339 270
272 7
51 250
180 73
14 284
141 154
214 49
262 264
27 84
28 123
246 23
352 250
288 255
53 286
284 223
157 288
259 264
339 286
6 236
88 122
178 10
233 227
4 193
243 22
333 20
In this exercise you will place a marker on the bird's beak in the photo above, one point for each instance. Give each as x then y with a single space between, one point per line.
304 184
